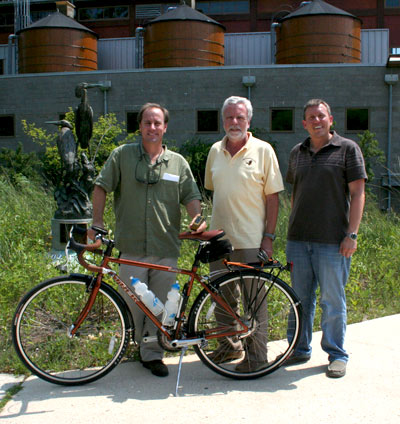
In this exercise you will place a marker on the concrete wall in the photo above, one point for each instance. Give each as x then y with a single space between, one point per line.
42 97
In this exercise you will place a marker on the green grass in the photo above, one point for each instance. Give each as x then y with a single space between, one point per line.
25 216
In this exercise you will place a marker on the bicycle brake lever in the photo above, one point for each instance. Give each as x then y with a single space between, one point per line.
262 255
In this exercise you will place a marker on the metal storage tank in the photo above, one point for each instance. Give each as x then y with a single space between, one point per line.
183 37
318 33
56 43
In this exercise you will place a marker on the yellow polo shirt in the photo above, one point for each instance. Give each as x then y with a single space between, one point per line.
240 185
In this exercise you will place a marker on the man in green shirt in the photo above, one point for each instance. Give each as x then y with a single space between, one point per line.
149 183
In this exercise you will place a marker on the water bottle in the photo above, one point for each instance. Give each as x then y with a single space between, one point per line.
147 296
171 305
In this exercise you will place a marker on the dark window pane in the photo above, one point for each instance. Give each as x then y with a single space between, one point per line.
207 121
356 119
282 120
121 12
7 126
223 7
132 125
392 3
1 66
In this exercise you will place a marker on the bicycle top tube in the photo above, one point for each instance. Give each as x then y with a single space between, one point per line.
203 237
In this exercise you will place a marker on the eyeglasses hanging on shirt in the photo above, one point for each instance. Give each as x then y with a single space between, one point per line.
147 174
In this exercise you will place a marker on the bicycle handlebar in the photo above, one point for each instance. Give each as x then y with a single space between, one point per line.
80 249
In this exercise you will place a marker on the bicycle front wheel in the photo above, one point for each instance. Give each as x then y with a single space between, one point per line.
271 312
41 331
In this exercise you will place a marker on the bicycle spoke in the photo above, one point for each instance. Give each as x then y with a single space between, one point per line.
266 306
42 333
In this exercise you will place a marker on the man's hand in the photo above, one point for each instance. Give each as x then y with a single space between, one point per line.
266 245
91 233
198 224
348 247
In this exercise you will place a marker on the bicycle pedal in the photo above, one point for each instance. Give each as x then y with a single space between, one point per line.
149 339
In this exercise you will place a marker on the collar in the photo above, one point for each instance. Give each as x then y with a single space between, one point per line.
334 141
164 157
249 140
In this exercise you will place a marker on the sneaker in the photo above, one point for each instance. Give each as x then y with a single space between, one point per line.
336 369
222 355
157 367
296 359
248 365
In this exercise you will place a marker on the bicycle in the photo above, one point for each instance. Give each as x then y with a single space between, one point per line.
74 329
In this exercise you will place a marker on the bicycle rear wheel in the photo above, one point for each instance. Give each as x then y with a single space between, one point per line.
269 308
42 323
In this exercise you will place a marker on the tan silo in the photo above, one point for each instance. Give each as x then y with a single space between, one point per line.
318 33
56 43
183 37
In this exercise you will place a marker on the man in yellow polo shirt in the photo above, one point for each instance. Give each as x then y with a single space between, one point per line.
243 173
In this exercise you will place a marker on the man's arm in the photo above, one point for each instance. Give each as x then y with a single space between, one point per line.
194 209
99 204
272 209
357 201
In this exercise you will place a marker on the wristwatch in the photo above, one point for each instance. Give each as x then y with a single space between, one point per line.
352 236
271 236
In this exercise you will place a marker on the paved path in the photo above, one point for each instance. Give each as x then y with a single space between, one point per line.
369 393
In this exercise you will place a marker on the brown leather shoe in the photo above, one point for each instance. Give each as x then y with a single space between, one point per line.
223 354
247 365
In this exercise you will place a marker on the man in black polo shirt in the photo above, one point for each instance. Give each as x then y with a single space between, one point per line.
328 177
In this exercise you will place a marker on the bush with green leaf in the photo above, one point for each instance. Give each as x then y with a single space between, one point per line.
195 151
16 162
108 133
373 154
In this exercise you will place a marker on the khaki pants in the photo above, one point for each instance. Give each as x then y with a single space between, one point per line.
255 346
159 282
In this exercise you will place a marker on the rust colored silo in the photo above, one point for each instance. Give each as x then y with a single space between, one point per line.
183 37
56 43
318 33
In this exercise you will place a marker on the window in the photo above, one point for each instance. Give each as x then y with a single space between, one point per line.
1 66
132 125
7 126
37 15
207 121
282 120
102 13
6 19
151 11
223 7
357 119
392 3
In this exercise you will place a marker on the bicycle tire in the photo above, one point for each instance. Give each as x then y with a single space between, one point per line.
274 329
42 322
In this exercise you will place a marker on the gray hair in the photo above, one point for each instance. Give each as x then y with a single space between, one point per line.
316 102
234 100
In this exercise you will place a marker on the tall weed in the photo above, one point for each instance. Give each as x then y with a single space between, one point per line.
25 221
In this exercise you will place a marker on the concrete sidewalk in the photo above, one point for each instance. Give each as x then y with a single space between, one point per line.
369 393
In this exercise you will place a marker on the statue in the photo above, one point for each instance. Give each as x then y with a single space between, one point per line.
73 195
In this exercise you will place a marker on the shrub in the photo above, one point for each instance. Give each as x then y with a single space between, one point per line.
195 151
373 154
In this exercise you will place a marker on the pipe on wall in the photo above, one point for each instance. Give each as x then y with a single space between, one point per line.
390 80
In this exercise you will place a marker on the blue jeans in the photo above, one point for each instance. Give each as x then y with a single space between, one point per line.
320 264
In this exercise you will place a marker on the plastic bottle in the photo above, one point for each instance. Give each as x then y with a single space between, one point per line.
147 296
171 305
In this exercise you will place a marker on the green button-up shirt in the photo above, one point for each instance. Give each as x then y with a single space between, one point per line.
148 215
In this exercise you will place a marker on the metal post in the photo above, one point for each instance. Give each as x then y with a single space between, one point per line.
390 80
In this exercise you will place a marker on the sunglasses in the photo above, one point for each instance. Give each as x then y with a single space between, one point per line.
147 175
